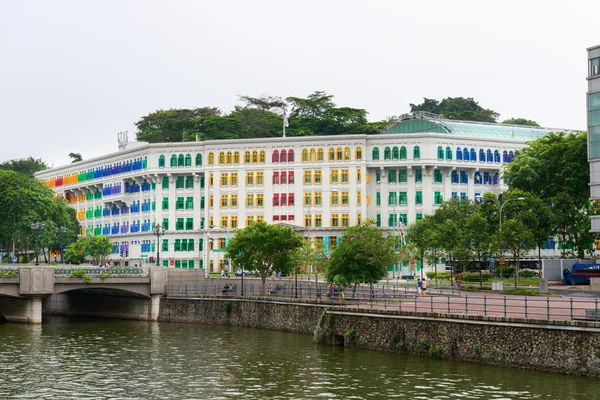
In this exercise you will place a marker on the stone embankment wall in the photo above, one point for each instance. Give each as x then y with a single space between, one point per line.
557 346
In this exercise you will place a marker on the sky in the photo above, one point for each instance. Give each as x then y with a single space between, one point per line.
75 73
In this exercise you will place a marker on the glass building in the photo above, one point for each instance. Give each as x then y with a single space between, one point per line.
593 119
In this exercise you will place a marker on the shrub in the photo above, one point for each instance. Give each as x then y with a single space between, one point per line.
528 274
352 334
435 352
507 272
425 344
441 275
80 273
473 277
395 339
430 275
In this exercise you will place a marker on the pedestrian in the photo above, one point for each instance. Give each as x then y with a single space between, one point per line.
424 287
419 286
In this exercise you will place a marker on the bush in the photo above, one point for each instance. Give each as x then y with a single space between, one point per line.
507 272
80 273
435 353
528 274
473 277
441 275
352 334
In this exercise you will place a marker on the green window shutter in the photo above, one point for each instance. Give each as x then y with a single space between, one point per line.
165 245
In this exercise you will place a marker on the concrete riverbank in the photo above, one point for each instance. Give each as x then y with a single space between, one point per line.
568 347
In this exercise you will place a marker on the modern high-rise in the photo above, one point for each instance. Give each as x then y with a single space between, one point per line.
593 122
316 184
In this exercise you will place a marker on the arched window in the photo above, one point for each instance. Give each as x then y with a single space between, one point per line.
481 155
255 157
236 157
496 156
291 155
496 179
395 153
464 178
358 153
511 156
211 158
448 153
477 178
375 153
229 157
489 156
198 159
180 160
275 156
339 154
504 156
332 154
221 158
387 154
454 177
161 161
262 157
440 153
416 152
473 155
188 160
313 155
466 154
459 154
347 154
403 153
320 155
304 155
247 157
283 156
173 160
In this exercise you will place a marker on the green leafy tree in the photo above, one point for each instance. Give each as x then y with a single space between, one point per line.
457 108
517 237
363 256
170 125
419 235
98 248
264 248
520 121
26 166
76 252
76 157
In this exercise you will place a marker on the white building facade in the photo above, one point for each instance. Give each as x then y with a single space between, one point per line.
593 119
202 191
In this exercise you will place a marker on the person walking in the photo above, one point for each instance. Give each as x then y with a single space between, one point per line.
424 287
419 286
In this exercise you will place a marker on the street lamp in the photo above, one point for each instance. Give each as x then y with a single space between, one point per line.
61 233
36 229
159 231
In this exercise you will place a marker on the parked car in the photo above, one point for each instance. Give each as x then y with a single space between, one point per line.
245 272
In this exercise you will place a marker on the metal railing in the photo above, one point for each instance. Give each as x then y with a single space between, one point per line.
121 272
406 299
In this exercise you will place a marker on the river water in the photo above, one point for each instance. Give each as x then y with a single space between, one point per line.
102 359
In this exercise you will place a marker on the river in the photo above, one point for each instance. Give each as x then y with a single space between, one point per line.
103 359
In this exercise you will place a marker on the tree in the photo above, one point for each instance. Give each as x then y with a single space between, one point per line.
76 157
457 108
478 236
363 256
264 103
264 248
520 121
26 166
517 237
419 234
98 248
76 252
170 125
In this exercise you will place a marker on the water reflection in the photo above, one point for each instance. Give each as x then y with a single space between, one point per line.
66 359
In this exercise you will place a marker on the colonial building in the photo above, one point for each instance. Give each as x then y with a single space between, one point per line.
318 184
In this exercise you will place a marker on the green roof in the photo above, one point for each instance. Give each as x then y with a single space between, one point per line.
464 128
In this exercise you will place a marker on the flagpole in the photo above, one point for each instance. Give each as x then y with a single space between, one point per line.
284 120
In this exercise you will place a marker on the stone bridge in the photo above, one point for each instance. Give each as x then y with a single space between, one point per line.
26 292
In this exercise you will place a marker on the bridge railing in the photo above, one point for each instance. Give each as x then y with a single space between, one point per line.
93 271
9 272
511 306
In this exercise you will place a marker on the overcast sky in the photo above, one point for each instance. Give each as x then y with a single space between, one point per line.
75 73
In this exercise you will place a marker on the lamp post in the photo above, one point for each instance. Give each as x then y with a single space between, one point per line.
61 233
159 231
36 229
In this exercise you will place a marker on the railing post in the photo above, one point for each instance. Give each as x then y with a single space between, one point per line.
504 306
548 307
596 314
448 297
484 304
525 307
571 303
431 303
467 304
